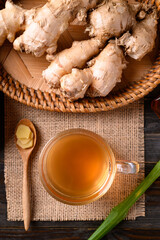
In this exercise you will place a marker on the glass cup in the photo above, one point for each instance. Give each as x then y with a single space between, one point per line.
112 166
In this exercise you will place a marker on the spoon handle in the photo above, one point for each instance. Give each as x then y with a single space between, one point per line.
26 197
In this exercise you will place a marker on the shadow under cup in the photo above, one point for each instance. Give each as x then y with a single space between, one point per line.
79 180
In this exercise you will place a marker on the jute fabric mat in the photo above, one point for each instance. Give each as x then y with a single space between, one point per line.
122 128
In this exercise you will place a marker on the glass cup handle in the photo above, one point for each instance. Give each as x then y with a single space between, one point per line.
127 167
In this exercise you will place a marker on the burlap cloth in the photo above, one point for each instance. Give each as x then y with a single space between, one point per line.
123 130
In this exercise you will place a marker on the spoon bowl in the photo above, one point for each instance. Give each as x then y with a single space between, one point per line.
25 154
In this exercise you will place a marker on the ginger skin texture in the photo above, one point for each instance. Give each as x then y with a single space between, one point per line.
142 39
13 19
49 22
102 76
112 19
76 57
104 25
42 26
129 23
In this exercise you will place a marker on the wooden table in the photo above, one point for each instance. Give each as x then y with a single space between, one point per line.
142 228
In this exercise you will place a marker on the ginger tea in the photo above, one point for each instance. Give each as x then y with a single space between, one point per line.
77 165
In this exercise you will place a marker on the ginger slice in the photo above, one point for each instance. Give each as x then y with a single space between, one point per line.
25 146
23 131
24 136
25 140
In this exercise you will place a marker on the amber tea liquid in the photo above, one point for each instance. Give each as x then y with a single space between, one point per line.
77 165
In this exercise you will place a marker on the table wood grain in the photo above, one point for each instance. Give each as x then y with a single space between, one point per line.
147 227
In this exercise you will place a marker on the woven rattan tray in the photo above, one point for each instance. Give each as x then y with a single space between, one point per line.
20 77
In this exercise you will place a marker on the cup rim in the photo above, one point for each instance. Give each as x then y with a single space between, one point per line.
70 200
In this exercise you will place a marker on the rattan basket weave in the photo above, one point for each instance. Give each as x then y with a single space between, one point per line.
49 101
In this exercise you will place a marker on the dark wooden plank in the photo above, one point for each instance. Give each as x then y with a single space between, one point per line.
142 228
2 3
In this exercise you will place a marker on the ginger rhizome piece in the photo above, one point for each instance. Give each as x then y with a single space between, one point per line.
107 70
142 39
110 19
42 26
49 22
102 76
134 23
13 19
76 56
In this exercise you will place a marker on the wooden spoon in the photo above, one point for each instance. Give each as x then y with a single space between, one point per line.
25 154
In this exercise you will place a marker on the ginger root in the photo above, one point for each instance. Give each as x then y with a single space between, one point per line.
43 26
76 56
13 19
112 19
102 76
49 22
142 39
75 84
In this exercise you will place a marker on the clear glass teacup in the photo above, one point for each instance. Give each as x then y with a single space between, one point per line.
78 167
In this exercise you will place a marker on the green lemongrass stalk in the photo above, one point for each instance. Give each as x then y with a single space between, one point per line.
119 212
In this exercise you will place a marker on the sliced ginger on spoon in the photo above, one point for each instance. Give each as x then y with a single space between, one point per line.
24 136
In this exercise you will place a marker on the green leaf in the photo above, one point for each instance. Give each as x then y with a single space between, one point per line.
119 212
